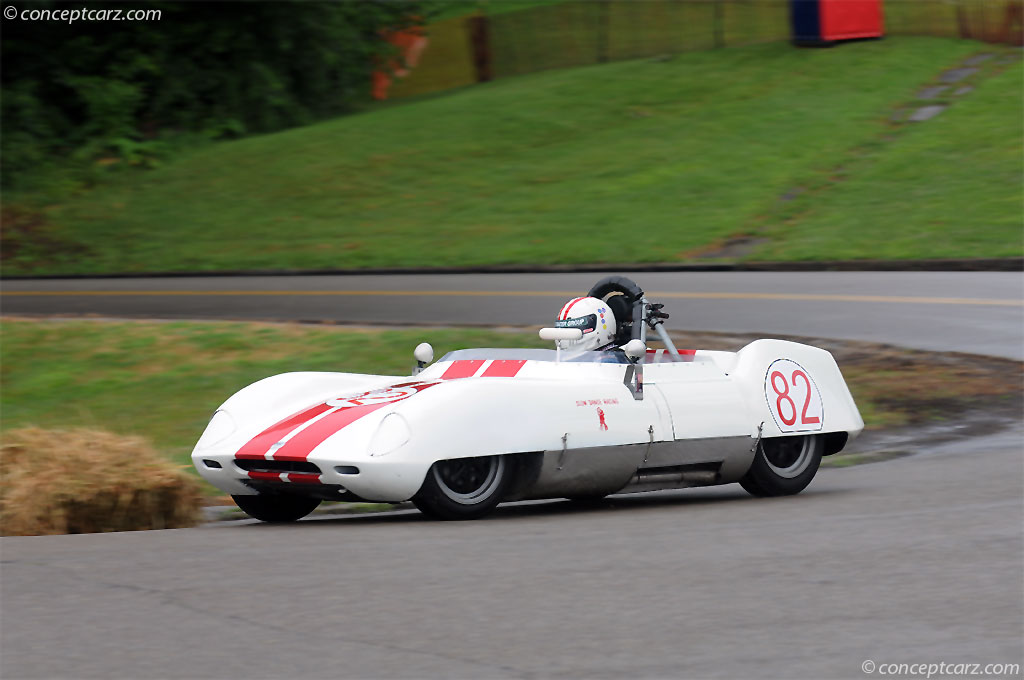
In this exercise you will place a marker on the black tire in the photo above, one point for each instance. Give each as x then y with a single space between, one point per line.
464 488
276 507
783 466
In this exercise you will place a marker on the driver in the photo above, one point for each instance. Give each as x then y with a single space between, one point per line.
594 318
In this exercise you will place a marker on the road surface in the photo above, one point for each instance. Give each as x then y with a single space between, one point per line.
980 312
915 560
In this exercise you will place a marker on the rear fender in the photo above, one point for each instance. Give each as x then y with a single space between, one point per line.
793 389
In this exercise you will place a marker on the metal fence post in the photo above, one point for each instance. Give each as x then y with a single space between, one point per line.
480 47
719 28
602 31
1013 24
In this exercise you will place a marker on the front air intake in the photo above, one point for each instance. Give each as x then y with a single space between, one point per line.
252 465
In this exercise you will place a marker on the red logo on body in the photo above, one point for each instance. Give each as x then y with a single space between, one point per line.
600 415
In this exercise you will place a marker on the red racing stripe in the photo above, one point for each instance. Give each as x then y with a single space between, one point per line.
661 356
300 446
565 310
463 368
503 368
257 447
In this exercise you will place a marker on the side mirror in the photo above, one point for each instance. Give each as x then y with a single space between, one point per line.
560 333
635 349
423 354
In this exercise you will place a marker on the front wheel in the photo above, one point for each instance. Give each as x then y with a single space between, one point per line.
464 488
276 507
783 466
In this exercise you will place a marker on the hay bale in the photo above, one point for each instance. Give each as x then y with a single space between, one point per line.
85 481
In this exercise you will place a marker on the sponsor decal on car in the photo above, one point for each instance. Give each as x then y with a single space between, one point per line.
597 402
584 322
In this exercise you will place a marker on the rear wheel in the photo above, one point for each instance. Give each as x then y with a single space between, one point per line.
464 488
783 466
276 507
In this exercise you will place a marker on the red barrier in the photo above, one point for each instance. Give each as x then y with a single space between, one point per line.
823 22
850 19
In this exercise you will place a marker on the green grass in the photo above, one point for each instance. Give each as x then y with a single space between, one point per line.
949 187
164 380
450 9
638 161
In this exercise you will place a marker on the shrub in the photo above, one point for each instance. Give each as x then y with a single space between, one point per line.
85 481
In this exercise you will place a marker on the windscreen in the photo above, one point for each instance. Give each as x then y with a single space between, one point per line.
606 357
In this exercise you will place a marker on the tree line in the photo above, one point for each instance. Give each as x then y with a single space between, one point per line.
129 90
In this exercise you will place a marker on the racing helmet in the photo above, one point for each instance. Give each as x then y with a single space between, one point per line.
590 315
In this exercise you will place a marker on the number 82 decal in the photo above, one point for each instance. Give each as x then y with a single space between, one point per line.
792 397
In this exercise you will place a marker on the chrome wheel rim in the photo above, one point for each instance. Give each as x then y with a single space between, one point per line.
788 456
468 481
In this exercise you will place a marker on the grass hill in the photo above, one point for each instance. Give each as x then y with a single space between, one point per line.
800 153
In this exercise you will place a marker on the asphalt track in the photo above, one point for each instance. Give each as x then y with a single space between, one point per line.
979 312
914 560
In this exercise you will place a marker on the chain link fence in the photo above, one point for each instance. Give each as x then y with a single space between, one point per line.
577 33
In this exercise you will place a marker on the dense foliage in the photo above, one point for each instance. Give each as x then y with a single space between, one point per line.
120 89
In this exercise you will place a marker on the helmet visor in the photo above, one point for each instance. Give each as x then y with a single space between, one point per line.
587 323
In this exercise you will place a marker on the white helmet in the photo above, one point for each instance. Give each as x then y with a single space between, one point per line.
590 315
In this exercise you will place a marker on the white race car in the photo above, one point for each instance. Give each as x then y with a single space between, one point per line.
482 426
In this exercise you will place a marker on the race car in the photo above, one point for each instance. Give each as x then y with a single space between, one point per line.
601 413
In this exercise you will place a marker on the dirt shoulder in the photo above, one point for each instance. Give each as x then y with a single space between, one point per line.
910 396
